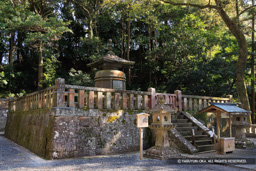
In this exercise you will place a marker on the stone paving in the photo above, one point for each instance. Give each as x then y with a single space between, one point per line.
15 157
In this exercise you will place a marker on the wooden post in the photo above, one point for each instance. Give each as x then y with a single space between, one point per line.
179 99
152 97
218 125
229 125
141 143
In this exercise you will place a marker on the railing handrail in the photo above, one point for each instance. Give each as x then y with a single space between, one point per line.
205 97
67 86
65 95
31 94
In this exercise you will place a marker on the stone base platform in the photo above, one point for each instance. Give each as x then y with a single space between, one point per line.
243 143
162 153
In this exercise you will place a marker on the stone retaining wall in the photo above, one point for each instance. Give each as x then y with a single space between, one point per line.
32 129
65 133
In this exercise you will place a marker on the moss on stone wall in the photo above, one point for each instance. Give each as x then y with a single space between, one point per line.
32 129
112 119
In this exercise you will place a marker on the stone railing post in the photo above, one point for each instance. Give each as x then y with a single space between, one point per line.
179 99
152 97
59 98
230 98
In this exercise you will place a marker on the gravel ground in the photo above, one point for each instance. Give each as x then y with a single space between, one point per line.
15 157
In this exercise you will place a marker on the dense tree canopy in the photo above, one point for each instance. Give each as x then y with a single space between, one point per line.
187 47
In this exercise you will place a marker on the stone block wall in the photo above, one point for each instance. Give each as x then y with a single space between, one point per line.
32 129
68 132
96 132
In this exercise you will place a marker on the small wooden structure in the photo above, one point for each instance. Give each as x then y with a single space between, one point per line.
227 110
142 122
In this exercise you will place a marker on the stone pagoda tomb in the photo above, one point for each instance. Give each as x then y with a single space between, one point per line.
110 75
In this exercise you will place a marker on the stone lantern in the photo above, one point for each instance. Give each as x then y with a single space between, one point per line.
240 122
161 115
110 75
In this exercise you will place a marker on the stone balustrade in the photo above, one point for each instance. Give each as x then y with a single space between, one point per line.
37 100
197 103
102 98
62 95
72 96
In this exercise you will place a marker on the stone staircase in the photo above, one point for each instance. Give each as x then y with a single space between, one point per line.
202 141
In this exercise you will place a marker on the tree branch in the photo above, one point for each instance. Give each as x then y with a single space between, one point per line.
246 9
86 10
191 4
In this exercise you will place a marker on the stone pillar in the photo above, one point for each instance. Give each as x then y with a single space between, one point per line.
230 98
59 98
152 92
179 99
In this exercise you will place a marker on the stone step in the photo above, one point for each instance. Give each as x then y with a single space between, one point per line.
209 151
188 124
179 120
207 147
188 133
202 142
186 128
197 137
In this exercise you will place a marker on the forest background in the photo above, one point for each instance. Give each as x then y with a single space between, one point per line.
174 46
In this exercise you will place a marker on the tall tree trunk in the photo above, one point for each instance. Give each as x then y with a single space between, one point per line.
19 46
122 43
11 51
40 67
149 38
128 38
90 28
242 60
128 47
253 70
11 48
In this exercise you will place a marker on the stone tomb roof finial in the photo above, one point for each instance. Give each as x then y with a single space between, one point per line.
110 52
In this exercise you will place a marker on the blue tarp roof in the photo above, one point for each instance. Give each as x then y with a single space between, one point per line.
229 107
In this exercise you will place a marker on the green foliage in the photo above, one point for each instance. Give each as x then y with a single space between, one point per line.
173 48
50 66
77 77
3 81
